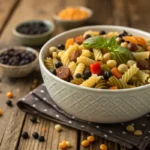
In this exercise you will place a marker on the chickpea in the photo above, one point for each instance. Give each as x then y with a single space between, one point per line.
122 68
130 63
68 144
130 128
111 63
52 49
91 138
106 57
103 147
1 112
124 44
138 133
62 145
118 39
85 143
58 127
9 95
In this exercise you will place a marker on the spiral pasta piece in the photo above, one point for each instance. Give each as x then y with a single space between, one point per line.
90 32
142 76
77 81
65 59
60 54
49 63
141 55
117 82
86 53
101 84
72 66
85 60
138 83
130 73
91 81
97 54
79 69
71 49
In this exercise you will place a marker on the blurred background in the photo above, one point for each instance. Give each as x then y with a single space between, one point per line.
133 13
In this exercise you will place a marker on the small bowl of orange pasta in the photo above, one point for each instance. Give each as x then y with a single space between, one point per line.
72 17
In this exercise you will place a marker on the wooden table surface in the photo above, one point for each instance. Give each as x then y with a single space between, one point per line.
133 13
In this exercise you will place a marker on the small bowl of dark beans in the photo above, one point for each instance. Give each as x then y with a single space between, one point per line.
18 61
34 32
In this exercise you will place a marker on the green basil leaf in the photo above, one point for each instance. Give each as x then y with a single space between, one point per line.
96 42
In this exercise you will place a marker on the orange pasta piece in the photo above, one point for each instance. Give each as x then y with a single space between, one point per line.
116 72
69 42
114 88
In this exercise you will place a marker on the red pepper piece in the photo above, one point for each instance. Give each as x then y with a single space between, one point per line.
95 68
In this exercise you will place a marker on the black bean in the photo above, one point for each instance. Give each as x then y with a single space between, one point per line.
87 36
41 139
35 135
86 74
9 102
58 64
107 74
53 71
25 135
33 119
102 32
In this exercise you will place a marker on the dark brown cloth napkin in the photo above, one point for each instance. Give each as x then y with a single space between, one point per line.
39 102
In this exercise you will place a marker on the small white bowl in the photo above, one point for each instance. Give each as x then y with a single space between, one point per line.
68 24
19 71
90 104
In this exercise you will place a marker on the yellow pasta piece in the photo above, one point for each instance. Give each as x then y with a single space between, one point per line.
71 49
72 67
77 81
60 54
141 55
49 63
65 59
86 53
90 32
79 69
113 81
97 54
142 76
130 73
91 81
85 60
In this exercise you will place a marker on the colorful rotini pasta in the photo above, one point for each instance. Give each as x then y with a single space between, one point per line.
101 60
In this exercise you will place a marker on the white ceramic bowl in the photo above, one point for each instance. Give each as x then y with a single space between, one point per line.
19 71
95 105
68 24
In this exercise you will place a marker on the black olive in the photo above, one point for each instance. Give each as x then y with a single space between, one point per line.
102 32
61 46
53 71
78 75
123 34
58 64
107 74
87 36
87 74
25 135
132 47
35 135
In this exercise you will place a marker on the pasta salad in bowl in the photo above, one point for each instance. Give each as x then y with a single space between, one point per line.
99 73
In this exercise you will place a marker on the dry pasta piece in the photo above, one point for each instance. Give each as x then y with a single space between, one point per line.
72 66
85 60
77 81
113 81
79 69
141 55
138 83
49 63
97 54
91 81
101 84
130 73
142 76
86 53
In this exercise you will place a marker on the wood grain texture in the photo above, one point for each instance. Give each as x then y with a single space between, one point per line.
6 8
52 137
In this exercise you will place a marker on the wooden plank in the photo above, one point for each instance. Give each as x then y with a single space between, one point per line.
6 9
52 137
139 12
